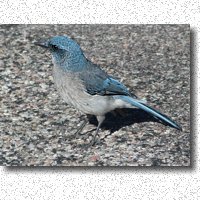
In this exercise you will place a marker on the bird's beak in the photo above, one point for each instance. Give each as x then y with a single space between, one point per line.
43 44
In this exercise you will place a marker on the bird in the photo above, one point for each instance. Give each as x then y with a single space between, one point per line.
87 87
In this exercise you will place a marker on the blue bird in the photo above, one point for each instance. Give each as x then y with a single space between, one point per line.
88 88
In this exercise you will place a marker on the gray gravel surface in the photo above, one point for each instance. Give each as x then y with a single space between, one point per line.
37 128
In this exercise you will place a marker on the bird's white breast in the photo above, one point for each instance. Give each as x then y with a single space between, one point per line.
74 93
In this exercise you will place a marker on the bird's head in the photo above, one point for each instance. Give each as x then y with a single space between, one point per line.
63 49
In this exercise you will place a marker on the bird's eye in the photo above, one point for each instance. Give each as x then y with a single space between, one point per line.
54 47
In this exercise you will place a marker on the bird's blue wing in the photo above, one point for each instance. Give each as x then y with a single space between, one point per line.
97 81
109 86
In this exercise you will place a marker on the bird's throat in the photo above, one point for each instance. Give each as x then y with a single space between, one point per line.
70 62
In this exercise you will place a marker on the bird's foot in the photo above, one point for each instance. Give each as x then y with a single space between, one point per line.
92 142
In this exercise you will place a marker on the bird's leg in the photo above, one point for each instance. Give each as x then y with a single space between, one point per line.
81 128
100 121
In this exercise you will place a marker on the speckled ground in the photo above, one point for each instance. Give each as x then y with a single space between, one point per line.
37 128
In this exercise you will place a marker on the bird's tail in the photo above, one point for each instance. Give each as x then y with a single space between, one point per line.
148 109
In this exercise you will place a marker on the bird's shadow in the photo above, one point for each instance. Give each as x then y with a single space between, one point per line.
123 117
